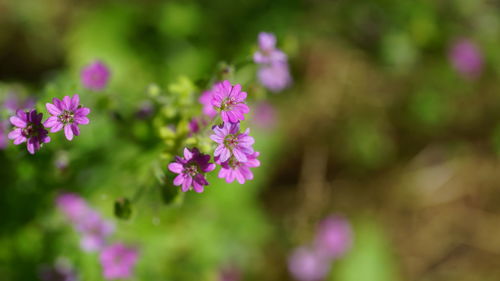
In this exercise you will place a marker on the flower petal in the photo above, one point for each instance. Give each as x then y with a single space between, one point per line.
57 127
175 167
51 121
217 139
186 184
14 134
179 179
82 111
82 120
239 155
75 101
18 122
197 187
52 109
66 103
187 154
58 103
68 132
75 129
225 154
19 140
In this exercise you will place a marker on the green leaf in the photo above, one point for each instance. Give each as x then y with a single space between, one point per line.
123 208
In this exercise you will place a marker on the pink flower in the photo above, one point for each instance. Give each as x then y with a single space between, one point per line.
232 142
206 100
67 114
275 77
118 261
94 230
191 170
334 237
466 58
73 206
233 169
195 125
95 76
306 265
230 102
268 53
29 129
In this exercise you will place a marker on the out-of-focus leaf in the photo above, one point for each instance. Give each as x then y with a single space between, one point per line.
123 208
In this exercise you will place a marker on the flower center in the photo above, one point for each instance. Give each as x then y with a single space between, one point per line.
191 169
31 130
66 117
233 163
231 141
227 104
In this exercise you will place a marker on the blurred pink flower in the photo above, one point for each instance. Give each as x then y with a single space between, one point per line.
94 230
73 206
3 134
275 77
95 76
466 58
118 261
14 102
206 100
305 264
334 237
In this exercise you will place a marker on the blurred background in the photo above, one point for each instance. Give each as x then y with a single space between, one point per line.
392 121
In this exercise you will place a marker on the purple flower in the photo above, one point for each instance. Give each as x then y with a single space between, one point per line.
230 102
268 53
234 169
95 231
3 134
29 129
93 228
206 100
191 170
306 265
275 77
118 261
334 237
232 142
195 125
67 114
466 58
73 206
95 76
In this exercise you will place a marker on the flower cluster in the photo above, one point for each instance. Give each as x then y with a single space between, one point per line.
66 114
273 72
234 152
94 230
333 239
117 259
